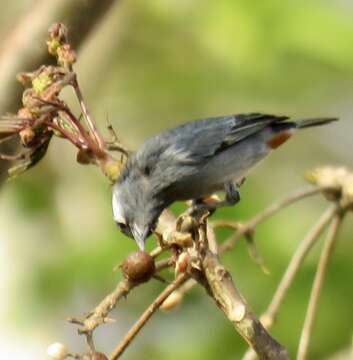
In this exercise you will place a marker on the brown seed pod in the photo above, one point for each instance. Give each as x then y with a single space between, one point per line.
138 266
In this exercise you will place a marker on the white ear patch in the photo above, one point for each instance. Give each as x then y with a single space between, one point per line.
117 209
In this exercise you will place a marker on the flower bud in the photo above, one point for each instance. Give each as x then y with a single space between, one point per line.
138 266
57 351
58 31
25 78
84 157
183 263
111 169
24 113
66 55
29 99
41 82
26 136
173 300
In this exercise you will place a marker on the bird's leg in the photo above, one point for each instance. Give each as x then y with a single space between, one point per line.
232 197
232 194
240 182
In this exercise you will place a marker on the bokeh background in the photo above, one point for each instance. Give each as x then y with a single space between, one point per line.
149 65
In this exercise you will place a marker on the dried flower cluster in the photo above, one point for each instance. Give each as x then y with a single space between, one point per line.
44 115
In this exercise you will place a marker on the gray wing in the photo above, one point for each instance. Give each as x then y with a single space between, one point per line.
174 155
195 142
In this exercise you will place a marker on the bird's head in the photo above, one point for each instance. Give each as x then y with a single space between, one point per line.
135 209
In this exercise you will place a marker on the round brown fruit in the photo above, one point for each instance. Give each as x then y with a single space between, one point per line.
138 266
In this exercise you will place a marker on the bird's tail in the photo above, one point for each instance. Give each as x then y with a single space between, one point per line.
302 124
282 131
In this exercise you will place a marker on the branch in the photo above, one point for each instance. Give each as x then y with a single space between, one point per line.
99 315
135 329
229 300
267 213
90 122
317 285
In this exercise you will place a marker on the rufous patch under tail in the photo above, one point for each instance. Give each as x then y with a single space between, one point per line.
278 139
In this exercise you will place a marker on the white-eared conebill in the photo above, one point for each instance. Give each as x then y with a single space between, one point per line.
193 161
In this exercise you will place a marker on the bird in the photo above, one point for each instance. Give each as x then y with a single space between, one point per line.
193 161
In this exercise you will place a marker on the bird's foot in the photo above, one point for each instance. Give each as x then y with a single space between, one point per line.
232 194
209 205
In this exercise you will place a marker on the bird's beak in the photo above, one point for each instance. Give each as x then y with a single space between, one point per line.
139 236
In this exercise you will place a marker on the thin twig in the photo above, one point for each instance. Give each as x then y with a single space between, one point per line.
101 311
90 123
317 285
66 134
268 212
296 262
62 108
12 157
307 243
135 329
99 314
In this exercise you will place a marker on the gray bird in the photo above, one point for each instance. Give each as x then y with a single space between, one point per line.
193 161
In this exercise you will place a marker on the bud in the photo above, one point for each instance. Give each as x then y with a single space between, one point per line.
111 169
58 31
29 99
84 157
24 113
66 55
183 263
41 82
173 300
53 46
26 136
138 266
25 78
57 351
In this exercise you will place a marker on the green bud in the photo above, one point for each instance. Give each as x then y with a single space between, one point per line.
41 83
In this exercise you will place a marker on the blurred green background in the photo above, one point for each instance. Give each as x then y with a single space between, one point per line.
147 66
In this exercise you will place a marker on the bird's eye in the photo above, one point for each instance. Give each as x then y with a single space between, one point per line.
147 170
121 225
124 228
